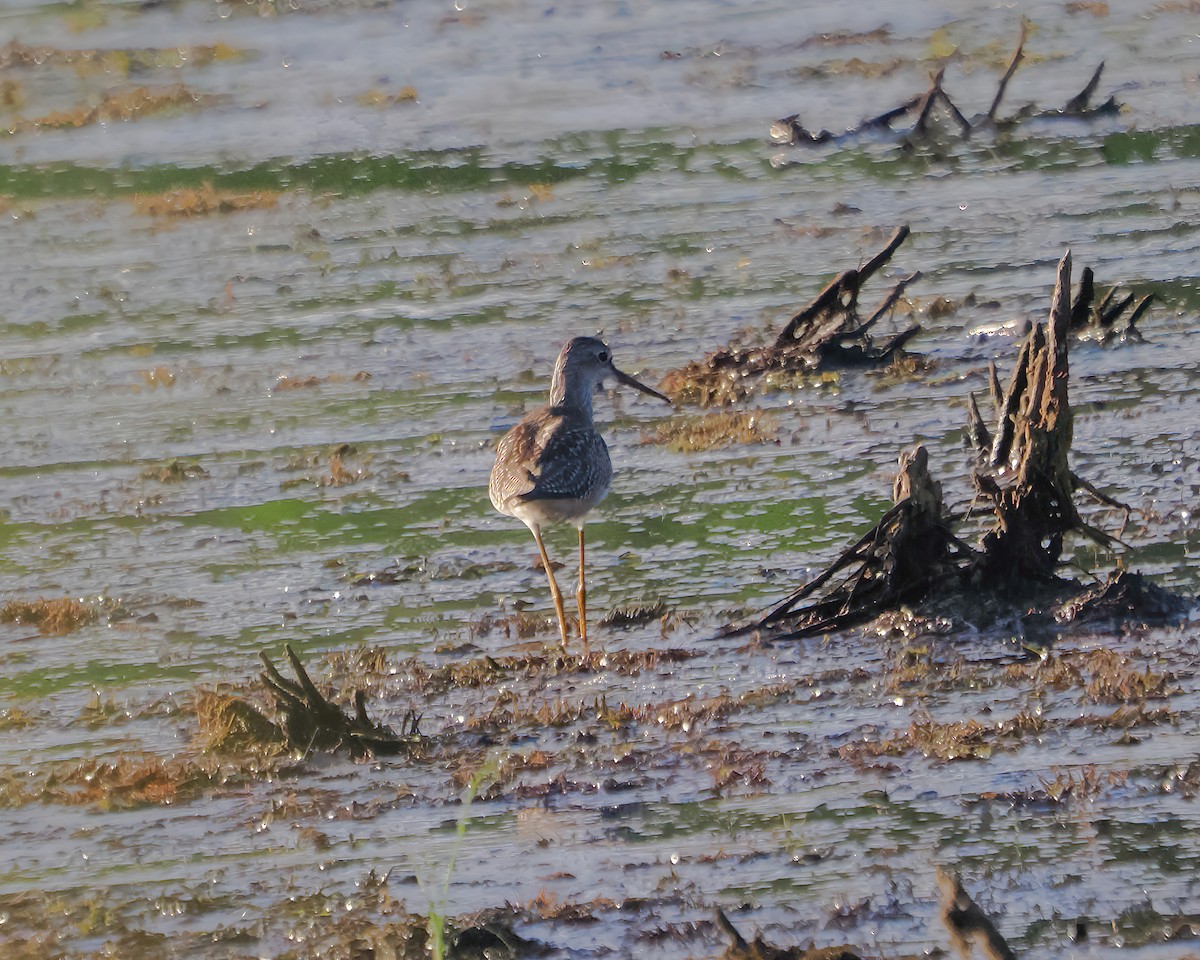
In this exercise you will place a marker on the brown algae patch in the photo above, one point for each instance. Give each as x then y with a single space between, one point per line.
481 671
714 430
339 471
957 740
128 103
174 471
120 782
53 617
375 97
202 201
708 384
14 718
228 724
519 625
1104 676
119 61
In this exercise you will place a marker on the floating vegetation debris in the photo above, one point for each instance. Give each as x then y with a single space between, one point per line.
121 61
633 616
202 200
286 382
128 103
828 334
520 624
122 781
174 471
1104 675
714 430
53 617
228 724
382 98
339 472
14 718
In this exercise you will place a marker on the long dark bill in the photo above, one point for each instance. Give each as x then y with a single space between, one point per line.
638 385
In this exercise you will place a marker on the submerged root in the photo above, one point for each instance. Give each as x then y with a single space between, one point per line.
311 722
1125 595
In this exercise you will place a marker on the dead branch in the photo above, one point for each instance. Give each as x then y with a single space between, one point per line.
924 107
936 96
828 333
1078 107
791 131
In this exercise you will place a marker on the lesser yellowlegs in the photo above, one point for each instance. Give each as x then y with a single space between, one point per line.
554 465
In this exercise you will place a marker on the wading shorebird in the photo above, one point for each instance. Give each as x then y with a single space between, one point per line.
554 465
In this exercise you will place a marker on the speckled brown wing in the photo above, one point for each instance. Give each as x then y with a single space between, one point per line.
549 457
573 466
516 460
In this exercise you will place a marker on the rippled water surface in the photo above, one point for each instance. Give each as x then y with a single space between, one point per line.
219 425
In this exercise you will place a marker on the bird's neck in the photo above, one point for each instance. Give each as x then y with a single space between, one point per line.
570 395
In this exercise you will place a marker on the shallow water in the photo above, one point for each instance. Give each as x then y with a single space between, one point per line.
406 294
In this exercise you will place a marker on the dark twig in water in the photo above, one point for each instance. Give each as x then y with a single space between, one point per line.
1017 57
759 949
1077 106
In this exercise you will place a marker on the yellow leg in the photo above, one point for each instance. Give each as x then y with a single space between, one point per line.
581 597
554 591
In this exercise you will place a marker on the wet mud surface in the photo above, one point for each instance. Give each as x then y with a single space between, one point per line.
272 292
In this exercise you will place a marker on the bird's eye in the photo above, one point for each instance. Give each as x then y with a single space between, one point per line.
603 356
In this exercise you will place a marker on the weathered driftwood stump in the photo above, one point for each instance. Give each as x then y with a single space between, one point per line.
311 722
1026 477
1024 473
899 560
831 332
